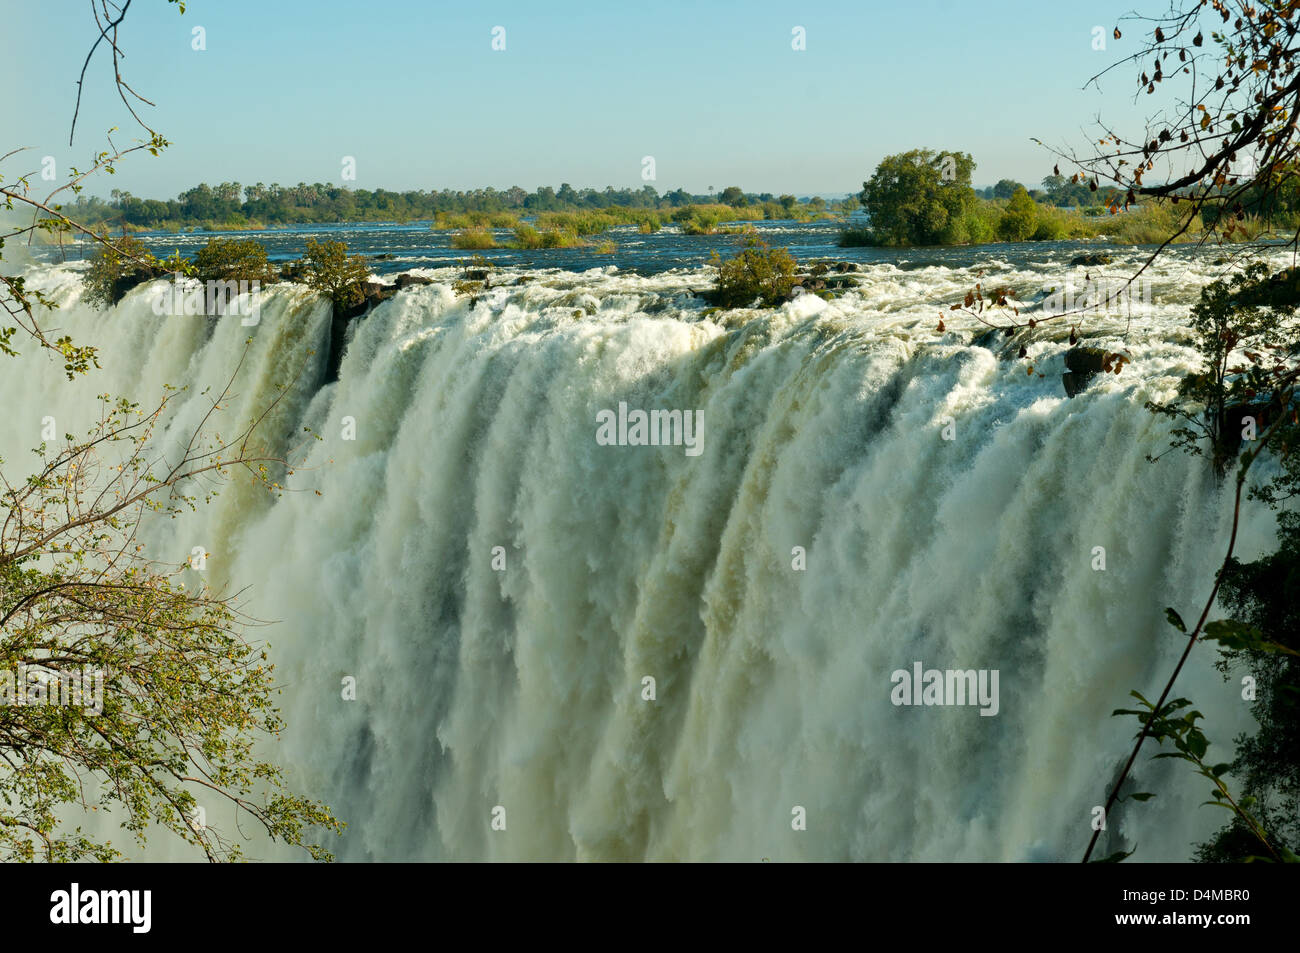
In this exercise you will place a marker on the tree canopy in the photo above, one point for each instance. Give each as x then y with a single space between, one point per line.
920 197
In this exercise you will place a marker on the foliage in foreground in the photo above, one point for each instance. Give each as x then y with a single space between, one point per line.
1244 331
180 697
159 701
1265 596
1249 347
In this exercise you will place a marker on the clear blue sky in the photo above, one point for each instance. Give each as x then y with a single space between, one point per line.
712 90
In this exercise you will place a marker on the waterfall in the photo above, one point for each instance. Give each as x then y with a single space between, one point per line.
869 493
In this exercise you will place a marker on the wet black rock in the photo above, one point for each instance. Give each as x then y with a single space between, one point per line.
408 280
1092 258
1082 364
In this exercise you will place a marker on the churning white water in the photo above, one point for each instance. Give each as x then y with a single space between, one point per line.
522 687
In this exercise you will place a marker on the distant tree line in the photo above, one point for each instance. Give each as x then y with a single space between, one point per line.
232 204
1057 190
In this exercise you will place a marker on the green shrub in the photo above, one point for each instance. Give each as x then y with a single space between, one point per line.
758 273
557 238
526 236
1149 224
579 223
976 223
1056 224
1048 230
1020 219
980 222
473 238
856 238
117 268
703 221
327 268
232 259
461 220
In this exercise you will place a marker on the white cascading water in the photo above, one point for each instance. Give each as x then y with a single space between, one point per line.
475 428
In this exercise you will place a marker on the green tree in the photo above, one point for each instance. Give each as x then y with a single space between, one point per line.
115 268
1020 219
919 197
734 196
329 269
168 697
1006 188
1243 329
232 259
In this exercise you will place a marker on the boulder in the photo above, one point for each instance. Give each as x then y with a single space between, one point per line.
408 280
1092 258
1082 364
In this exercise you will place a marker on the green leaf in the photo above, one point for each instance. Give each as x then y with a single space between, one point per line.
1116 857
1175 620
1227 807
1240 637
1145 796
